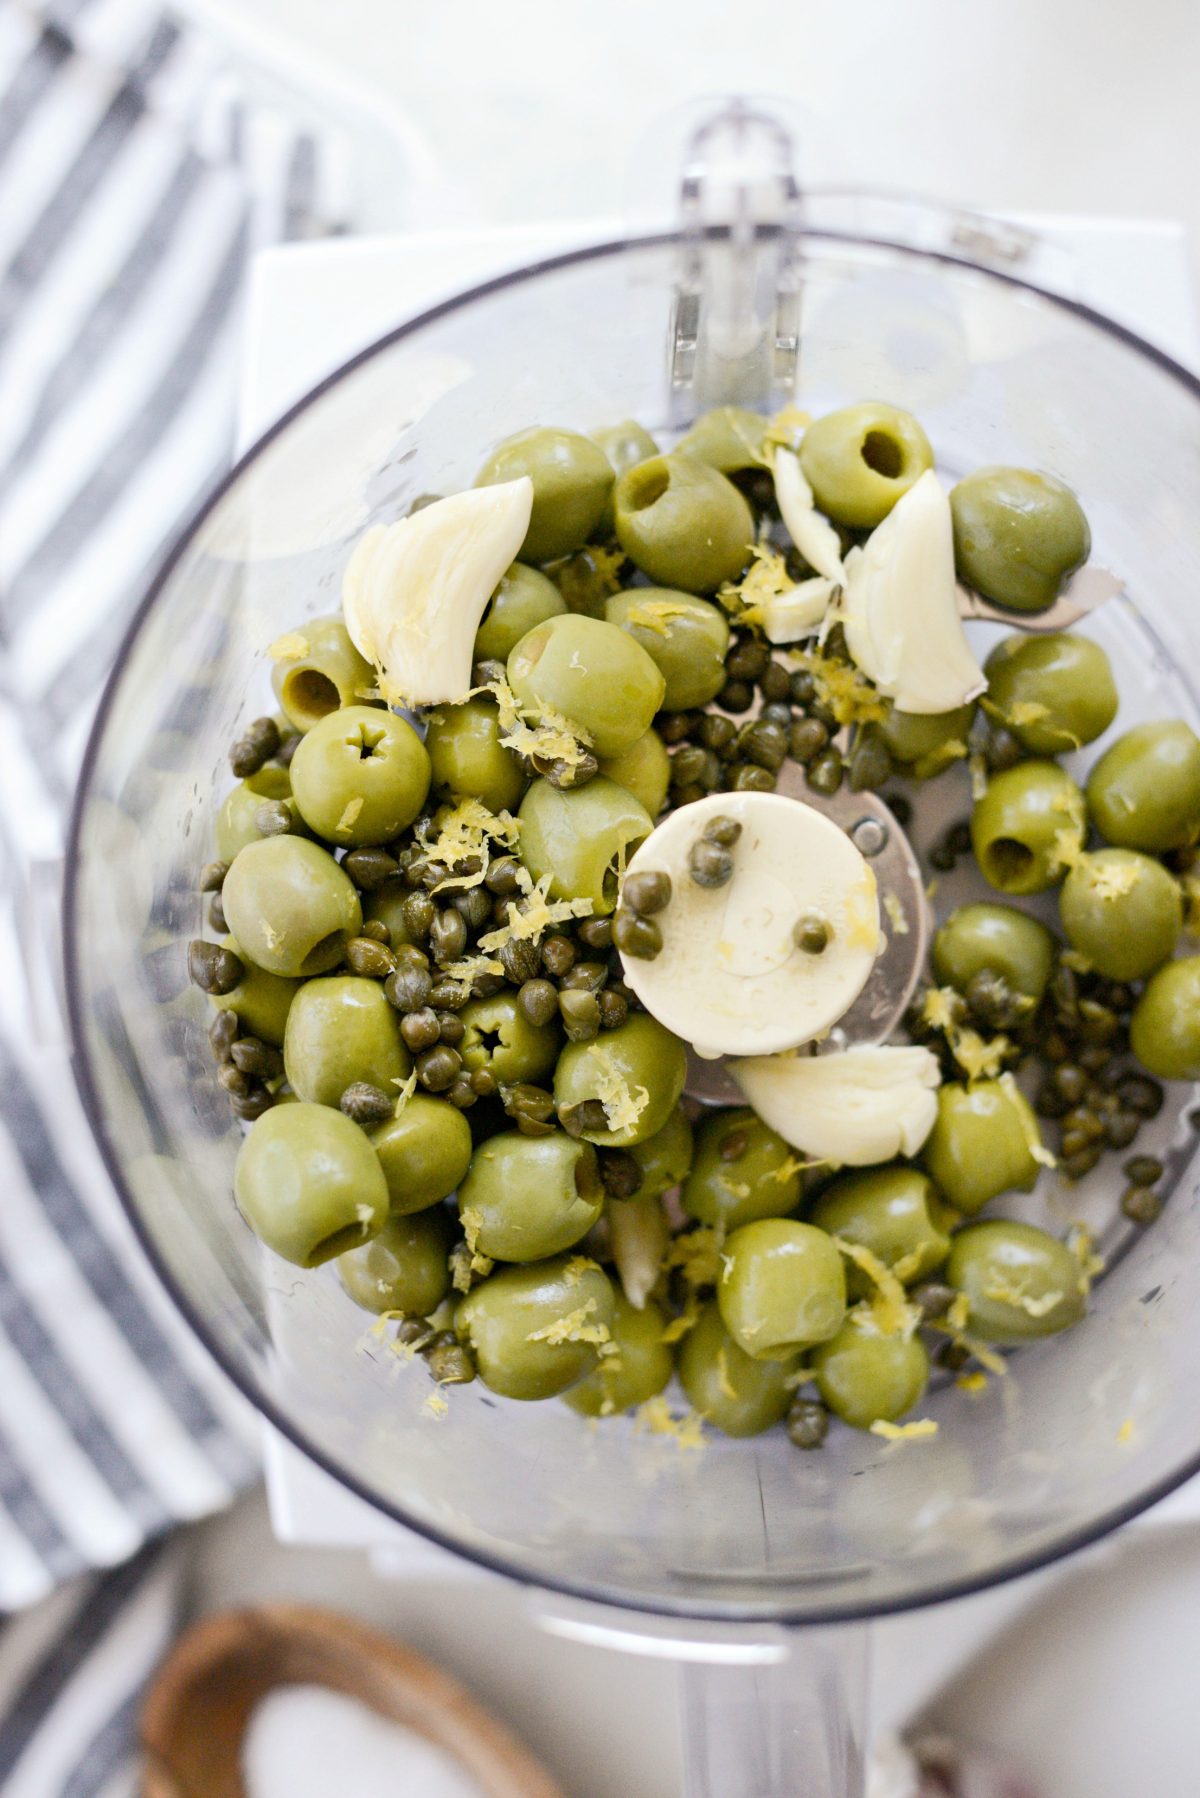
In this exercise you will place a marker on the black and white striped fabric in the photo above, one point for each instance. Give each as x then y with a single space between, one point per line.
135 184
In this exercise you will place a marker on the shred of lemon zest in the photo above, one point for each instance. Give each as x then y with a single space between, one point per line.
623 1106
975 1381
1023 1301
462 833
895 913
787 427
1081 1245
544 733
1113 880
534 913
1126 1431
471 1220
407 1089
845 689
888 1311
724 1382
788 1168
977 769
345 823
656 614
958 1316
435 1405
576 1267
573 1327
291 647
918 1431
766 578
655 1418
697 1254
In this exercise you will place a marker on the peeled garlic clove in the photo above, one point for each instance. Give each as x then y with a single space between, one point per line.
813 535
901 607
800 612
857 1108
414 592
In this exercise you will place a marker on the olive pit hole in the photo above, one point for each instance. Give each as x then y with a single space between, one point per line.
587 1178
1008 862
310 694
320 955
883 454
350 1236
645 485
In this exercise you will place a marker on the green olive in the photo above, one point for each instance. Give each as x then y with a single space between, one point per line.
865 1378
1144 792
728 438
385 905
665 1157
639 1370
683 523
581 838
525 1197
405 1268
1054 693
742 1170
340 1030
590 673
639 1068
525 597
235 826
1165 1030
736 1394
535 1330
982 1144
498 1036
860 460
1018 535
572 479
360 776
1123 911
644 769
290 906
1019 1281
467 758
782 1288
625 444
309 1183
424 1152
995 939
923 744
261 1000
1022 825
325 672
894 1212
685 637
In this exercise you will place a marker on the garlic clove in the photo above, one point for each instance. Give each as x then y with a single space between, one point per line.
800 612
812 533
901 611
856 1108
413 592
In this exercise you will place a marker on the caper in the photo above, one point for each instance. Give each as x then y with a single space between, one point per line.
448 1361
527 1104
256 745
824 772
251 1105
1002 750
447 936
503 876
369 868
232 1080
558 955
585 977
367 1104
438 1068
735 696
580 1014
764 744
413 1330
774 683
1082 1161
807 1423
370 958
217 921
614 1009
255 1057
1140 1205
589 1114
420 1029
451 1028
483 1083
803 686
870 764
1143 1170
213 969
1141 1094
474 907
993 1002
521 959
636 936
212 875
675 727
715 732
722 831
1121 1128
934 1297
749 777
273 818
709 864
596 933
537 1001
687 764
418 912
747 659
620 1173
462 1094
222 1034
811 933
408 989
777 711
378 932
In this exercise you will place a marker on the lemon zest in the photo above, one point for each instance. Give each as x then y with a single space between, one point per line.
543 733
975 1381
656 1418
978 771
845 689
724 1382
1126 1431
888 1312
407 1089
787 428
1033 1136
291 647
435 1405
918 1431
895 913
655 614
697 1254
345 823
623 1106
573 1327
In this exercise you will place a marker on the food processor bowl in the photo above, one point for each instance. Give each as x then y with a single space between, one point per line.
736 1540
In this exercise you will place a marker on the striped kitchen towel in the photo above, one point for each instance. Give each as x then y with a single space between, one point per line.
136 182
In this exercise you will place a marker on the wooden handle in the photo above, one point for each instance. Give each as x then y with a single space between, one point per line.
197 1712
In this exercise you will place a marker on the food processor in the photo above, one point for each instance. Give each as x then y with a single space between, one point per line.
748 1562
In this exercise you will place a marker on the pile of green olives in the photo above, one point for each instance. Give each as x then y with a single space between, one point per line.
420 1014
